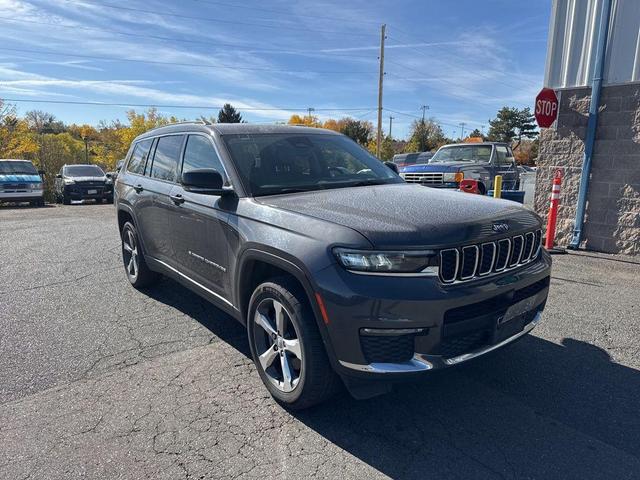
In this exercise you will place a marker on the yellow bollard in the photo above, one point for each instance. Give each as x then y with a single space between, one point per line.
497 187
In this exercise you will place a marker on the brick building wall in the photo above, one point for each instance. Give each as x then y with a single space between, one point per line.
612 220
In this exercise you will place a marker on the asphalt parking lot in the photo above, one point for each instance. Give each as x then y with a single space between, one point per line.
99 380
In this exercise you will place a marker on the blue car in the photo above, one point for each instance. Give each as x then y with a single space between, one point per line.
20 182
476 161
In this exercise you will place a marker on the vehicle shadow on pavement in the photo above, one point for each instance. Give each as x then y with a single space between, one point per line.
535 409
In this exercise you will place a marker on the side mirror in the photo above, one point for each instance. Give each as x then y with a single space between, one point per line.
108 175
58 176
42 173
392 166
207 181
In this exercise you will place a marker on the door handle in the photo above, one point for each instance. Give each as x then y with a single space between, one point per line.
138 188
177 198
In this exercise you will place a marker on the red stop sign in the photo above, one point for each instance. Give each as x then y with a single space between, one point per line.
546 108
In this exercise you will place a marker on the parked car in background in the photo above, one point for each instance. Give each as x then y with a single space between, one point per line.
338 268
83 182
476 161
20 182
405 159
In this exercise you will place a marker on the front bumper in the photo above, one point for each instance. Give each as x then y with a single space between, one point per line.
82 192
21 196
449 324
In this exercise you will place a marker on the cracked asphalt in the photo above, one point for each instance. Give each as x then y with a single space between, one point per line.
101 381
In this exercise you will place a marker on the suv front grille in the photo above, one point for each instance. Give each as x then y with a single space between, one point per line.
427 178
472 261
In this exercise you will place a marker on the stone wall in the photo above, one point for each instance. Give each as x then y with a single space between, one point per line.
612 220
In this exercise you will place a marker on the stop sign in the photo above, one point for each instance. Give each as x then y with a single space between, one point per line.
546 108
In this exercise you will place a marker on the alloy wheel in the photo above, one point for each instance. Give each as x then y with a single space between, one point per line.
130 254
277 345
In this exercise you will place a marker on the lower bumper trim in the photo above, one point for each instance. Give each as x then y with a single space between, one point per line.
421 362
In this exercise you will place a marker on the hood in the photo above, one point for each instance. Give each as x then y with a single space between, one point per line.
437 167
404 215
19 178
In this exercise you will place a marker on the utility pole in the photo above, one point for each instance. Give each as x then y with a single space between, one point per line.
390 124
310 110
86 149
482 130
380 78
424 108
462 125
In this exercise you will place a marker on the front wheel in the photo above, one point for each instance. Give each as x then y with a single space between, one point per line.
286 345
135 267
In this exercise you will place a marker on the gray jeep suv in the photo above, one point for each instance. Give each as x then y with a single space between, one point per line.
341 271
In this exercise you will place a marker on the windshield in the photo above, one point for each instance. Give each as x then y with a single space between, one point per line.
271 164
83 171
17 168
463 153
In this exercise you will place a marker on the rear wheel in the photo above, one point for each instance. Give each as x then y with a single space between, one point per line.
286 345
66 200
138 273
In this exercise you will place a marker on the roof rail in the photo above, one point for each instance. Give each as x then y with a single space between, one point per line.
201 121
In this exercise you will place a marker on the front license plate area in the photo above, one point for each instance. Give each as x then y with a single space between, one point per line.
514 319
92 192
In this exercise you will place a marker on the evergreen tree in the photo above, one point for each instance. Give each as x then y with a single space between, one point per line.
228 114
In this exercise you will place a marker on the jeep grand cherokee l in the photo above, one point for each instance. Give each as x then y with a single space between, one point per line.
338 268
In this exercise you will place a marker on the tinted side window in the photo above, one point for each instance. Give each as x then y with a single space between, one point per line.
139 157
165 158
199 153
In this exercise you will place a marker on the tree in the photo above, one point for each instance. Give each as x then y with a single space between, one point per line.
476 134
424 135
357 130
228 114
511 123
387 149
43 122
306 120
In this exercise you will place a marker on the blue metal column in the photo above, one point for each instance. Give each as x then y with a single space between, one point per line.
589 142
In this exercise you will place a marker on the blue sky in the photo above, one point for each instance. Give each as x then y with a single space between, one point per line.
463 58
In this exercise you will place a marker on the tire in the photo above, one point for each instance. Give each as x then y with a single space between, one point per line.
482 190
110 199
66 200
135 267
295 341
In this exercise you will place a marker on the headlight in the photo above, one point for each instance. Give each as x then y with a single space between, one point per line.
35 186
69 181
385 261
453 177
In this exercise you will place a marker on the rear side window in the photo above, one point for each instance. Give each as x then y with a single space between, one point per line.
165 158
199 153
139 157
503 156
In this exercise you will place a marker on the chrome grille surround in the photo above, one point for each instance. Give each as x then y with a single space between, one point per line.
520 250
425 178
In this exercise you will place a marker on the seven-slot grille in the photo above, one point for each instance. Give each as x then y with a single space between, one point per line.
422 177
473 261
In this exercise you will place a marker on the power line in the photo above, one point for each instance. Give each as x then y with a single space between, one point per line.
178 64
217 20
420 117
158 105
247 48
